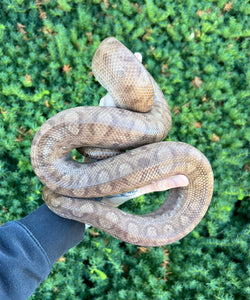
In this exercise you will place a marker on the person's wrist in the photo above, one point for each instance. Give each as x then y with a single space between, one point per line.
55 234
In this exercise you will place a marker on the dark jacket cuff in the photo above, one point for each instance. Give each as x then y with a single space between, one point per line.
55 234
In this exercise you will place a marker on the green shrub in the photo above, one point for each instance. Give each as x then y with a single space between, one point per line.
197 52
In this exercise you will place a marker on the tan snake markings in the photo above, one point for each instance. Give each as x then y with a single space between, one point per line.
140 123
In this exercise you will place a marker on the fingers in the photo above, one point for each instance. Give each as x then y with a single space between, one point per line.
107 100
165 184
138 56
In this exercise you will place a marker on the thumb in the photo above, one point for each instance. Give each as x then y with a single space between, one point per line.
165 184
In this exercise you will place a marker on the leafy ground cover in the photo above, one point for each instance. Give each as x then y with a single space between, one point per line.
197 52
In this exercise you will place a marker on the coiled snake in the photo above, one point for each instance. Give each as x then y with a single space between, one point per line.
140 123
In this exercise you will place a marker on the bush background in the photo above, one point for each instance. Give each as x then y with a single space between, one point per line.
197 52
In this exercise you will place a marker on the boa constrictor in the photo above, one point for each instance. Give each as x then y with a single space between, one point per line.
140 122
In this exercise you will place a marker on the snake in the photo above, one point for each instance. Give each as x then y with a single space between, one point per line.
127 144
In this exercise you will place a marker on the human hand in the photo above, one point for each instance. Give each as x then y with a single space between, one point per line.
162 185
165 184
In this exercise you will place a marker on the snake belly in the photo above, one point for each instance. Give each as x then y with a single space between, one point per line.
139 123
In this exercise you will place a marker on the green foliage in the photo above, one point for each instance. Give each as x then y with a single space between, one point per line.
197 52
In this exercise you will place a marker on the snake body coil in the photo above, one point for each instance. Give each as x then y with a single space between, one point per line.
140 124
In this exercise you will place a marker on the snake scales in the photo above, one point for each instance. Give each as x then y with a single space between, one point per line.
141 122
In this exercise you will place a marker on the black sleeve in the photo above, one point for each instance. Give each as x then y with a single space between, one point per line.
29 248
